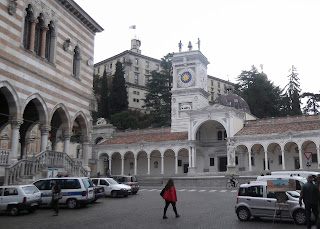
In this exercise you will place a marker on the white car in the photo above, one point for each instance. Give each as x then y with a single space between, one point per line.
16 198
111 187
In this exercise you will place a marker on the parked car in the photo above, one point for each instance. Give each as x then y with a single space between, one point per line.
299 180
111 187
255 200
75 191
16 198
128 180
98 192
304 174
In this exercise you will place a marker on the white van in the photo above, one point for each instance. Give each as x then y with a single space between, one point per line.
304 174
75 191
299 180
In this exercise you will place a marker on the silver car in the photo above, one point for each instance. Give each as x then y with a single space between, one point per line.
255 200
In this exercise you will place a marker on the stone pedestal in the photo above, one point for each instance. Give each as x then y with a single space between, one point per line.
231 169
192 171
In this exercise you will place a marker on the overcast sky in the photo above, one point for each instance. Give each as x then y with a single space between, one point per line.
234 34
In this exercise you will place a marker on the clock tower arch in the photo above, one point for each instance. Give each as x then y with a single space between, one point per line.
189 88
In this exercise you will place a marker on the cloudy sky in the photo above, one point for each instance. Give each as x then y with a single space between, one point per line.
234 34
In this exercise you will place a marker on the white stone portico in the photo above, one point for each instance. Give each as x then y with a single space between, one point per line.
209 139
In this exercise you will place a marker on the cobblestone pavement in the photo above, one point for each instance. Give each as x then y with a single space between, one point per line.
199 208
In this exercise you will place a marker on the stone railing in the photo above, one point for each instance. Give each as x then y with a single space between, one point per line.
36 164
4 156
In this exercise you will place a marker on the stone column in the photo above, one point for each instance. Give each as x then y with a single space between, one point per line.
266 160
283 160
44 30
318 157
23 148
32 34
44 137
190 157
135 165
148 158
15 127
85 150
110 159
122 165
66 141
162 164
300 158
194 159
250 162
176 164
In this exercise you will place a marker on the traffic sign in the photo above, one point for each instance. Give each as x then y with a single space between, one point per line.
308 155
308 164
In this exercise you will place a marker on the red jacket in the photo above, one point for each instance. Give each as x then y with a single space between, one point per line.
170 194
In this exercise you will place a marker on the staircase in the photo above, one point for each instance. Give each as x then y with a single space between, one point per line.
28 170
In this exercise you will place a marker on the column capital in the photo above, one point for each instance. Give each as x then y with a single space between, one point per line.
16 123
85 139
66 135
44 28
45 129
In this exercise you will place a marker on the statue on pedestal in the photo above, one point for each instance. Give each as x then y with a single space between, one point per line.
190 46
180 46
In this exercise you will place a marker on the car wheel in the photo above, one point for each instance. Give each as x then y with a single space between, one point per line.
229 185
299 217
72 203
134 193
243 214
14 211
114 194
32 210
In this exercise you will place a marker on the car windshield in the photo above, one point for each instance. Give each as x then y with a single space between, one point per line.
87 183
134 179
112 181
30 189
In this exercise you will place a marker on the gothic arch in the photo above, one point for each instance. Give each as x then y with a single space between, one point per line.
40 105
82 121
64 115
12 98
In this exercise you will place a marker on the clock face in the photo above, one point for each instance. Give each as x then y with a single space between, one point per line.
186 77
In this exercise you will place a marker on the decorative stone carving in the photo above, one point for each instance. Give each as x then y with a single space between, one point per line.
101 121
66 44
12 7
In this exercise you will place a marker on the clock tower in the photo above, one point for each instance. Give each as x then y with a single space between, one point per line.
189 88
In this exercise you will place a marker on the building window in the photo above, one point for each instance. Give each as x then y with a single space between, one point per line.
136 69
179 162
110 66
155 164
38 36
314 158
252 161
134 92
137 100
212 83
147 64
98 70
218 84
137 61
211 161
134 99
147 80
76 61
147 72
136 78
138 93
237 160
50 42
28 20
157 67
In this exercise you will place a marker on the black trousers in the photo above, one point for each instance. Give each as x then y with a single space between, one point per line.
54 204
167 205
315 211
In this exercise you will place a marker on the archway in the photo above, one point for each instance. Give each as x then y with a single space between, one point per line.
128 163
155 162
116 163
242 158
142 160
291 152
275 156
309 148
183 161
103 164
258 158
169 162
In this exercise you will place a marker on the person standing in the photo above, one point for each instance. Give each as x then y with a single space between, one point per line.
170 197
309 195
56 190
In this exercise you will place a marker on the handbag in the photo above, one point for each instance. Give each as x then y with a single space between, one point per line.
162 192
57 196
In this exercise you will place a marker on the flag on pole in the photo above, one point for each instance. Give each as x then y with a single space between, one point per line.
132 27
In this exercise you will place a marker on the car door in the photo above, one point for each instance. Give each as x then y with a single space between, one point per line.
45 189
2 204
106 186
255 199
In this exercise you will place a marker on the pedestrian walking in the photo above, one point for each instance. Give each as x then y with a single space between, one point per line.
56 195
170 197
309 195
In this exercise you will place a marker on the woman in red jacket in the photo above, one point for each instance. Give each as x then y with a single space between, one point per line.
170 197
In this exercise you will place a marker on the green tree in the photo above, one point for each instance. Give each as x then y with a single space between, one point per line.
97 83
119 96
261 95
291 94
124 120
312 104
158 98
103 102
